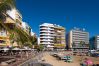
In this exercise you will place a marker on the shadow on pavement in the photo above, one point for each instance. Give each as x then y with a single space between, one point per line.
40 64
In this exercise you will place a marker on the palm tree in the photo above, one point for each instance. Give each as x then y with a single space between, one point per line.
12 38
73 44
4 6
23 37
16 33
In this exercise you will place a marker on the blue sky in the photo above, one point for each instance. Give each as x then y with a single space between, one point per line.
67 13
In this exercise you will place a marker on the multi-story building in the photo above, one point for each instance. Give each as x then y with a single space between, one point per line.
52 35
94 43
26 28
12 18
4 39
16 16
78 40
32 33
59 38
47 34
38 41
97 42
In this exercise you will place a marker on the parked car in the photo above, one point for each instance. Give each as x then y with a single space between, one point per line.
95 55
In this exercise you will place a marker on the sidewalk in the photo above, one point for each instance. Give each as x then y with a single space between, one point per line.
53 61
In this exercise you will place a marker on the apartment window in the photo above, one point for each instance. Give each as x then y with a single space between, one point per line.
2 41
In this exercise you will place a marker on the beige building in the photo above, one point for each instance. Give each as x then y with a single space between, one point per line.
78 41
13 18
4 38
26 28
59 38
76 36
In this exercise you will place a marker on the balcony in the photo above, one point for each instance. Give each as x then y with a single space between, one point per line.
44 28
3 44
45 34
46 43
44 31
9 20
45 40
18 24
18 16
46 37
47 31
3 36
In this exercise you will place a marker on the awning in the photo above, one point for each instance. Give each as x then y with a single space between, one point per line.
16 48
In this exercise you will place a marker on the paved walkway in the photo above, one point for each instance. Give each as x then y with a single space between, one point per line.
53 61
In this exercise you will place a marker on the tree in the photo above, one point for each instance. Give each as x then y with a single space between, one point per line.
40 47
33 40
82 43
5 5
12 38
16 34
73 44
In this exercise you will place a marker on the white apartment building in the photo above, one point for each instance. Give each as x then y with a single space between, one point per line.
47 34
51 34
38 40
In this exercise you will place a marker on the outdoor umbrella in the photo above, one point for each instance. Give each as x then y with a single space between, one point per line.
89 62
5 49
16 48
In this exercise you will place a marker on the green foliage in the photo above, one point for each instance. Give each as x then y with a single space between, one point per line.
16 34
6 5
82 42
40 47
12 36
33 40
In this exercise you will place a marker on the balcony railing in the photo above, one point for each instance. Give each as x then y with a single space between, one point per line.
46 43
9 20
46 37
46 40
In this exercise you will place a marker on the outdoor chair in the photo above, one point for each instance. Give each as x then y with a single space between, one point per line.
10 61
65 58
68 59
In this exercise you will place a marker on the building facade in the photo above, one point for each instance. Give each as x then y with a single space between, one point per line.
94 43
15 15
97 42
4 38
52 35
78 40
12 18
59 38
47 34
26 28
